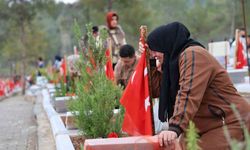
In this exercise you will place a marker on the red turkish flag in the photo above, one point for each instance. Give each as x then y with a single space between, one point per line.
109 66
135 99
2 88
241 60
64 69
11 85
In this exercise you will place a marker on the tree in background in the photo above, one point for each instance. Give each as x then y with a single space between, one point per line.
24 41
207 19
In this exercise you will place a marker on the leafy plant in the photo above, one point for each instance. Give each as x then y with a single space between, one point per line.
192 137
61 90
97 96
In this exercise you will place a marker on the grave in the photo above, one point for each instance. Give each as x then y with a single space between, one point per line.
60 103
127 143
237 75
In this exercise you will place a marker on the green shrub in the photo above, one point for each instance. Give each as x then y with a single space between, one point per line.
61 90
97 96
192 137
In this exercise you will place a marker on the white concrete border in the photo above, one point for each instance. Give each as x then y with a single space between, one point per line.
60 133
63 142
243 87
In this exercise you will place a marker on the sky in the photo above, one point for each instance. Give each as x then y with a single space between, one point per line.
66 1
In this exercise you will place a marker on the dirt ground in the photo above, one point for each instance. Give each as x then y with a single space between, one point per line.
44 131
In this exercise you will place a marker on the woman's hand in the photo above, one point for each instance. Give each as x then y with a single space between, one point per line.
167 138
141 48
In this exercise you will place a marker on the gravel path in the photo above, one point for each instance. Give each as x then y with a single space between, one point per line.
24 124
18 124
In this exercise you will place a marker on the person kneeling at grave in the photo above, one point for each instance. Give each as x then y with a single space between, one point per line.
125 65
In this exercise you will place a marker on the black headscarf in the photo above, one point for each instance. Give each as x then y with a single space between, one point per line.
170 39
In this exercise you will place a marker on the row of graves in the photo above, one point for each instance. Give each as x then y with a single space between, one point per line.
102 133
83 104
233 59
87 110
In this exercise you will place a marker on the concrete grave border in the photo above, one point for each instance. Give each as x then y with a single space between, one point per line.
60 133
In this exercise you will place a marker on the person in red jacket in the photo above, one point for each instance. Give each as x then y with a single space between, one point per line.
194 87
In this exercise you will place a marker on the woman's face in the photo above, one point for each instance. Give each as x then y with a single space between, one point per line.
114 22
158 56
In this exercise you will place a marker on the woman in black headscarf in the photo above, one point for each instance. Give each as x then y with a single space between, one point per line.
194 87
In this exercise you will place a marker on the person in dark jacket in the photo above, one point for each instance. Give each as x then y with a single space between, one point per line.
194 87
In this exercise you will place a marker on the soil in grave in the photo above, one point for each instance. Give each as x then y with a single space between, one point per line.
78 142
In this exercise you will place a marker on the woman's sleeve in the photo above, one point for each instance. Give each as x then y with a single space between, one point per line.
195 73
